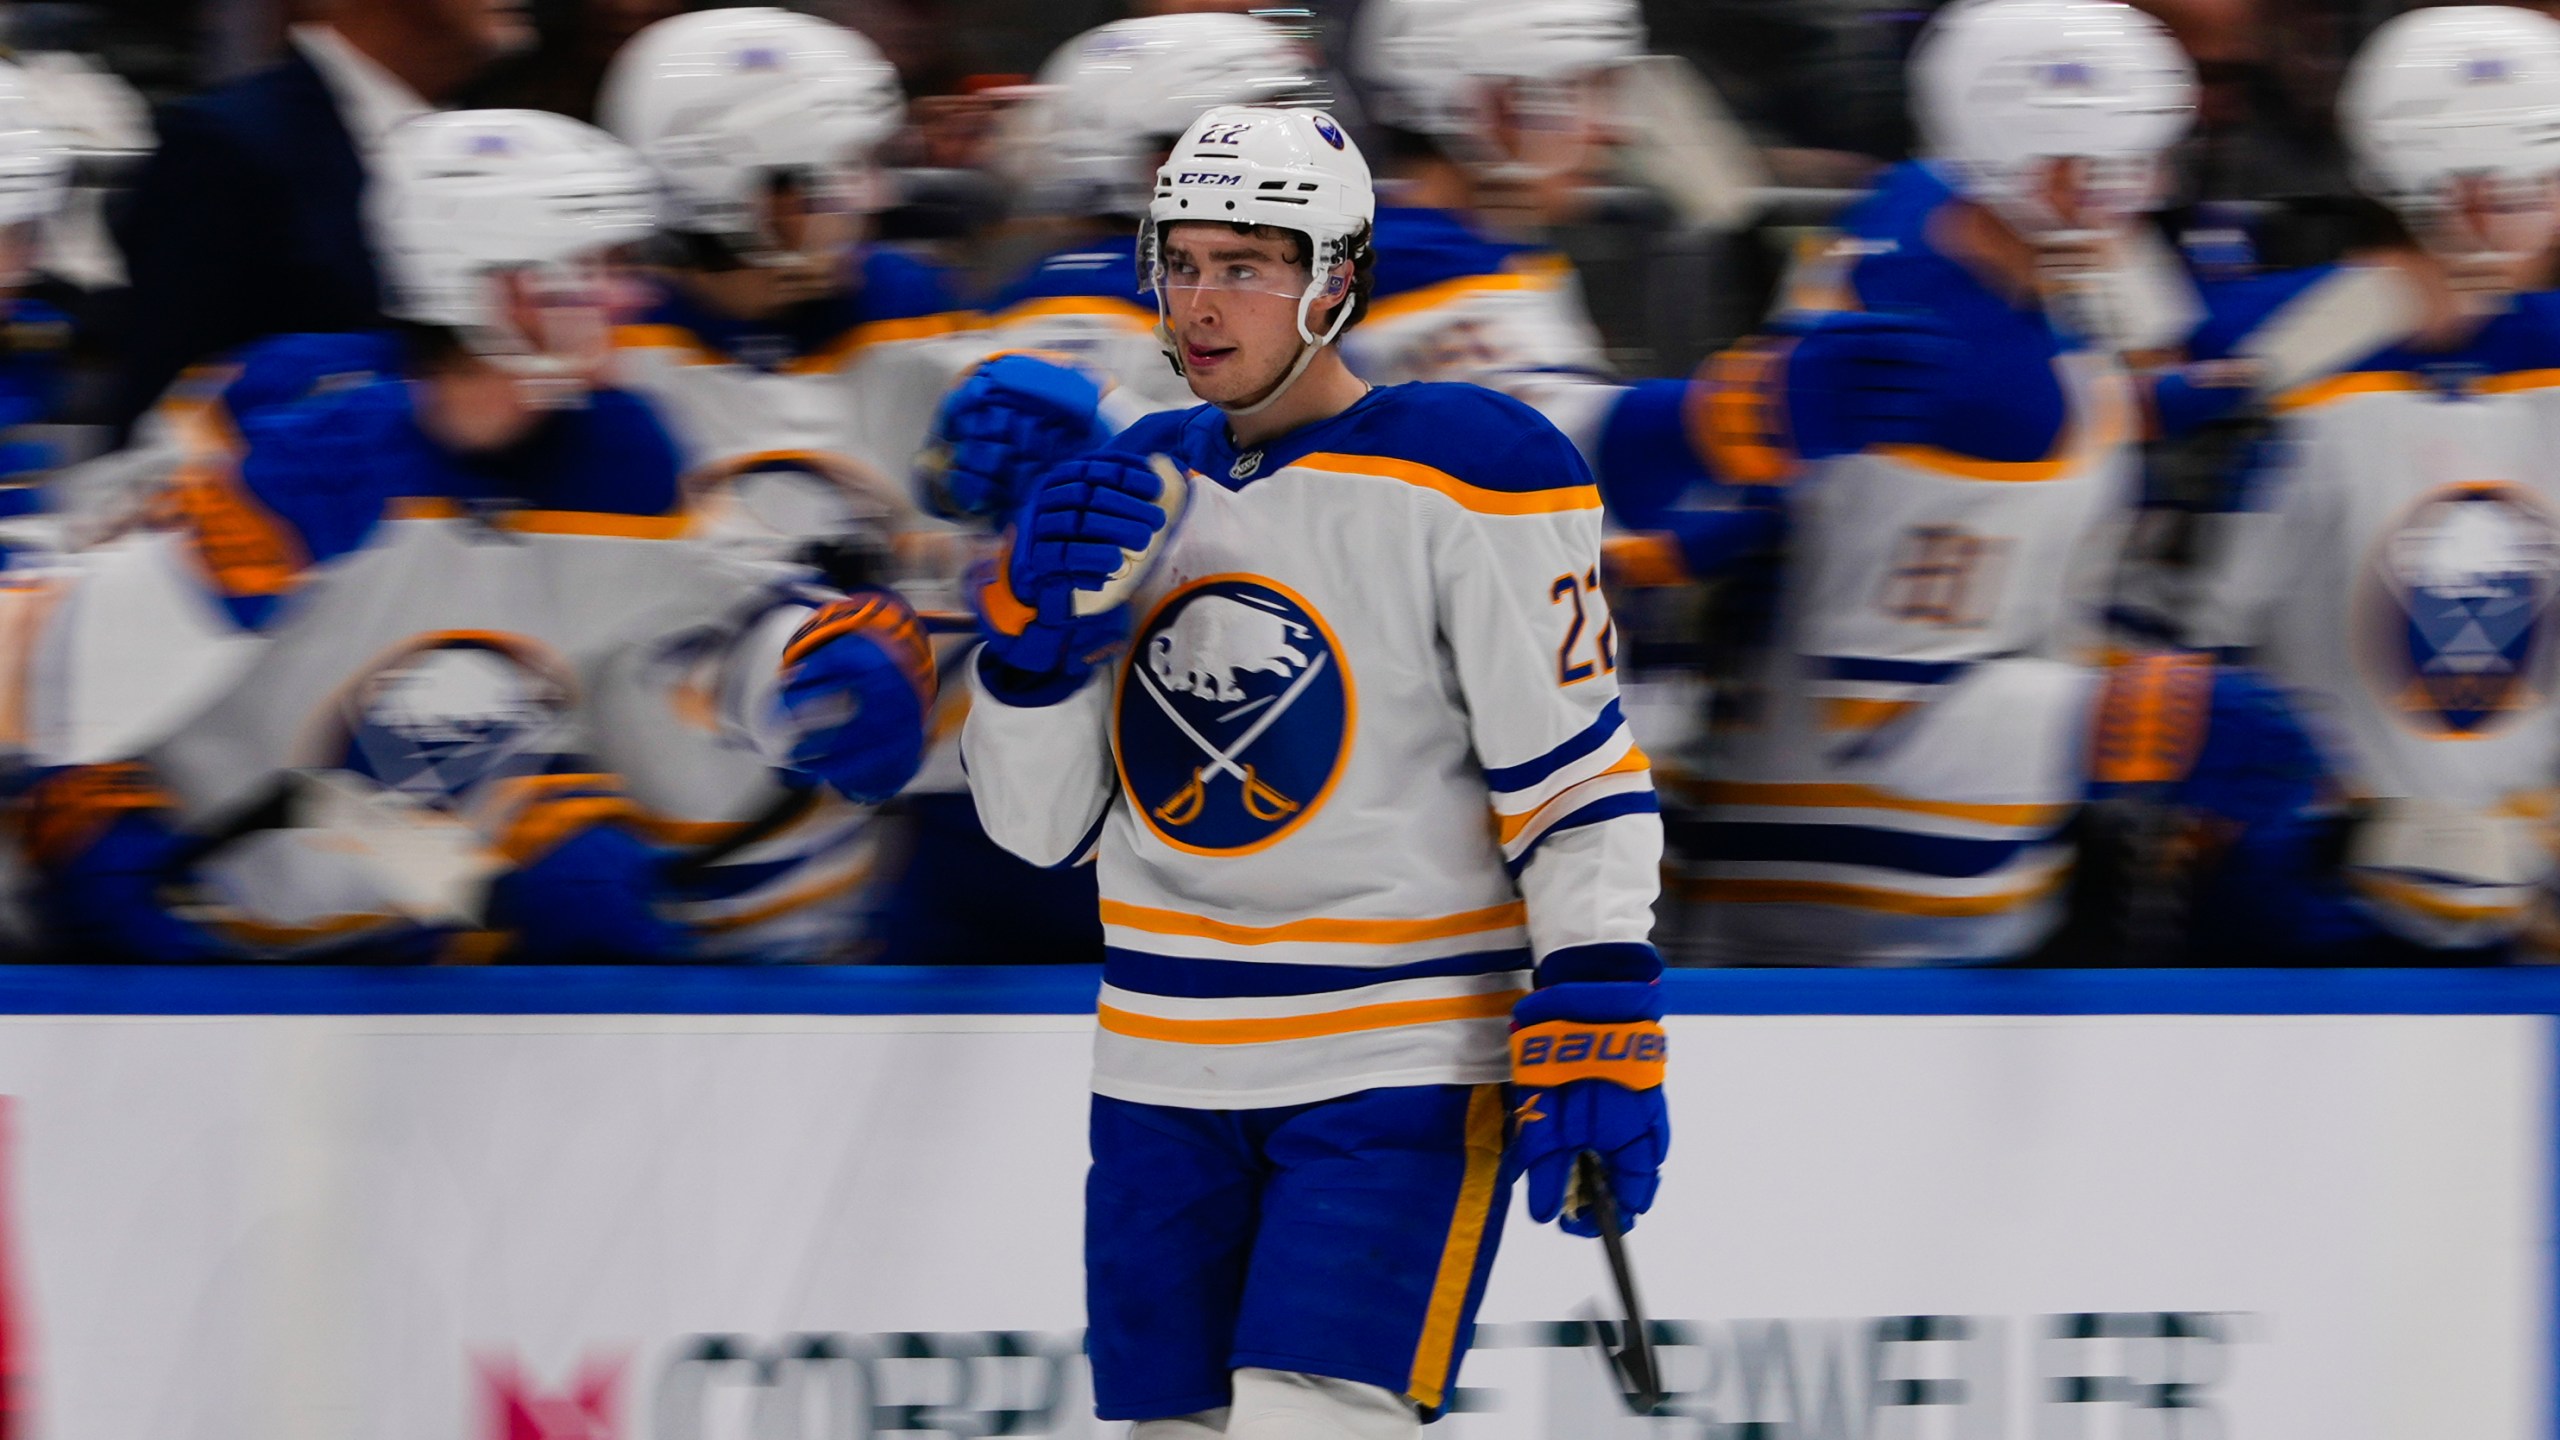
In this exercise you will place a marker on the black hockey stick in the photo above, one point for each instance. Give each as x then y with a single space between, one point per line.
1626 1345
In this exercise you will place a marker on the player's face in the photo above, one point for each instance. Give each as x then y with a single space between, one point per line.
2495 235
1231 303
2096 198
807 226
1560 135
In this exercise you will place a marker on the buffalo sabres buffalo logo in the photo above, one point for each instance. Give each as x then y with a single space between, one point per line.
2459 605
1235 715
447 714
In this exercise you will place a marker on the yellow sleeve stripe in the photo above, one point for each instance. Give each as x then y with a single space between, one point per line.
1474 497
1323 929
591 522
2515 381
2341 387
1260 1031
1876 898
1868 797
1508 827
2412 897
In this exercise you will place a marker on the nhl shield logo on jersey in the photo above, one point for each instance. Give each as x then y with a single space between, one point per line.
2458 608
1234 715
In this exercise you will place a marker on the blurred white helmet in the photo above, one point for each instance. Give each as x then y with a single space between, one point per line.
2000 87
2466 90
1114 98
1429 61
35 158
723 102
463 196
1265 165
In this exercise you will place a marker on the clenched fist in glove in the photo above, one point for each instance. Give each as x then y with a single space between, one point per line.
1587 1060
857 681
1825 384
1002 428
1083 523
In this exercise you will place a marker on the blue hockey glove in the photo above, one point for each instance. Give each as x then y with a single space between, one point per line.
1002 428
858 680
1856 379
102 838
1081 524
587 900
1587 1061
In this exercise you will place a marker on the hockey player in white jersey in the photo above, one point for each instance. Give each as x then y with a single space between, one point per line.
1073 358
1345 736
1499 115
1111 102
423 655
796 366
2399 560
1947 449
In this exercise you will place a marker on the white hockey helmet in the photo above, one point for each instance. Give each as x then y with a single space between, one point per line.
2000 87
720 102
1267 165
2464 90
1428 61
463 195
1114 98
35 156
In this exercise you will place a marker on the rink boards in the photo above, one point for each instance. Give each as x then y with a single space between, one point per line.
838 1205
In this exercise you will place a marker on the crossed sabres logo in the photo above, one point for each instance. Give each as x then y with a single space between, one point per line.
1234 715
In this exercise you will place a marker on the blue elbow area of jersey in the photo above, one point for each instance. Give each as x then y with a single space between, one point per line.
1646 460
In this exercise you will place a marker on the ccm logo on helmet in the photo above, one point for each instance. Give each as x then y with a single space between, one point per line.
1207 177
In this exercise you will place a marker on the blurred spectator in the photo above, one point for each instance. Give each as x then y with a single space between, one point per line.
579 39
248 220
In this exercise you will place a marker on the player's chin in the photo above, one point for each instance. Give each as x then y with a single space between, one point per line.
1227 378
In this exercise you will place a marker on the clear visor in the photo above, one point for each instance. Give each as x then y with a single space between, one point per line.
1211 260
811 215
2491 219
2093 195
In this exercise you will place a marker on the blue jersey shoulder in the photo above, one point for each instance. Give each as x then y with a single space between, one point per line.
1419 247
286 368
1481 437
1095 269
898 286
2234 309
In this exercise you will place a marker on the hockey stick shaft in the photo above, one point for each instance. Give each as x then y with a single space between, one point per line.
1632 1358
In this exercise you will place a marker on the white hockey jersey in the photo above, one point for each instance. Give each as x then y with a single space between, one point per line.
442 637
847 387
1896 790
1452 305
2398 573
1362 765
